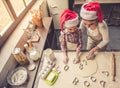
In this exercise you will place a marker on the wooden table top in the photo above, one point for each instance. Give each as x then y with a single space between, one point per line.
65 79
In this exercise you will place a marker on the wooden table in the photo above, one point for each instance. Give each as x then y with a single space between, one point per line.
40 46
65 79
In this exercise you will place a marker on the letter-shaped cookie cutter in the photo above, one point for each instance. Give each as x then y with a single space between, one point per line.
102 83
81 66
66 67
86 83
105 73
93 79
85 62
75 81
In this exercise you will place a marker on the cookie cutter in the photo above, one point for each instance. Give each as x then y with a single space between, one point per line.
93 79
105 73
84 61
102 83
75 81
66 67
81 66
86 83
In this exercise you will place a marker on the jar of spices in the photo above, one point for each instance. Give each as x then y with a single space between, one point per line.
49 54
20 56
34 54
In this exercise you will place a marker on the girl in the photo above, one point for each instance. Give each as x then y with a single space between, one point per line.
71 36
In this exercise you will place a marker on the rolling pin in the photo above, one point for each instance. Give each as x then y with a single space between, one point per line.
113 64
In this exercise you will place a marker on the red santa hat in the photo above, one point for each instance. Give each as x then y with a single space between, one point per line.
91 11
68 19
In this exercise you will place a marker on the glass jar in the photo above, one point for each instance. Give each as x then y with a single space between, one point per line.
20 56
34 54
49 54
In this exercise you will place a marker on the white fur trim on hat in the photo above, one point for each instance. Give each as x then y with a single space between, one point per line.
71 23
87 15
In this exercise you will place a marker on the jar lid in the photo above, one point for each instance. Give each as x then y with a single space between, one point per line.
16 51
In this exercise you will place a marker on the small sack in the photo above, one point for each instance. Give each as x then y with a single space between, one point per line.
36 18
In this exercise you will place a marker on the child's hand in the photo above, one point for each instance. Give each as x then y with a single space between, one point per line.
77 58
66 59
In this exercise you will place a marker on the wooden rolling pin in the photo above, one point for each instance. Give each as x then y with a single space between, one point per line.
113 70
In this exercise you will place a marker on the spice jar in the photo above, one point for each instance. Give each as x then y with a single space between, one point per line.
49 54
20 56
34 54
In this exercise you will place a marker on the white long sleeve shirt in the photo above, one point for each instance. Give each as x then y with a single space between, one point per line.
99 34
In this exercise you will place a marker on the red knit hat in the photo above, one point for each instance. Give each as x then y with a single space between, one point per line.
68 19
91 11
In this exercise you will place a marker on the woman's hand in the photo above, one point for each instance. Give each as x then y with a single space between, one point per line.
91 53
77 58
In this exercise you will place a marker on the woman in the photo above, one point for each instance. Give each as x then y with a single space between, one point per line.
97 30
71 36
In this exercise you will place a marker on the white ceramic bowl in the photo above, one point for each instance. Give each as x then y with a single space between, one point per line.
17 76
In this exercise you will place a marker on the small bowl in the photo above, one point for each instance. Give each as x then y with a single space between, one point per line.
17 76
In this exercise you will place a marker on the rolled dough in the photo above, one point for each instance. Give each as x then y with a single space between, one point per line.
89 66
